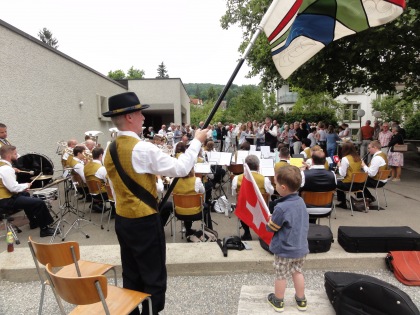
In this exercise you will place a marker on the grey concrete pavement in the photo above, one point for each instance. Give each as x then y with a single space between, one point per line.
201 280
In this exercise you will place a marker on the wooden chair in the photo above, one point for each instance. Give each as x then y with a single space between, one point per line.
67 256
95 191
188 202
93 295
383 175
319 204
357 178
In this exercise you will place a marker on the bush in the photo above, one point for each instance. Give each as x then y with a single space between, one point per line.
412 127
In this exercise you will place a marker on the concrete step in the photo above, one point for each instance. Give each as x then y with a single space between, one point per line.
197 259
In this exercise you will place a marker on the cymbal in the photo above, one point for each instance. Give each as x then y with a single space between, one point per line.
42 177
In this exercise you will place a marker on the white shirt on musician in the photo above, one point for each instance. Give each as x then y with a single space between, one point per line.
373 168
8 177
79 167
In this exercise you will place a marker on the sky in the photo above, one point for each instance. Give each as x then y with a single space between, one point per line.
109 35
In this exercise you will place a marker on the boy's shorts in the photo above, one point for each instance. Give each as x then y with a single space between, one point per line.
285 267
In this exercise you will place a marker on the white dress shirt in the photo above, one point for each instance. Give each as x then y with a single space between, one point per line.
8 177
376 162
79 167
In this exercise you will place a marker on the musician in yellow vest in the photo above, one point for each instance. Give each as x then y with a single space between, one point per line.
95 171
306 148
67 155
14 196
349 164
191 185
378 163
263 183
284 155
3 135
138 226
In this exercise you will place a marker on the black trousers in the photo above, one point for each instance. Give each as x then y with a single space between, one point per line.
371 183
143 258
35 209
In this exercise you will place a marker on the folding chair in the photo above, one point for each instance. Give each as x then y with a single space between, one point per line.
95 191
67 256
189 208
110 200
319 204
383 175
357 178
93 295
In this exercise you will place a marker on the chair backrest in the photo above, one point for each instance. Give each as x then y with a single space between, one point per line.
94 186
383 175
359 177
78 290
316 198
236 169
56 254
77 179
188 201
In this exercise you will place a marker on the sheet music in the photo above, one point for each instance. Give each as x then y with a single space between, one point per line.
252 147
202 168
219 158
225 158
329 160
265 151
296 162
257 153
267 167
213 156
240 156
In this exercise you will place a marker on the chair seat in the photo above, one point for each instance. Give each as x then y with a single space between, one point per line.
319 211
119 301
87 268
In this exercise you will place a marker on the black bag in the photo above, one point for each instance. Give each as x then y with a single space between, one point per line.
320 238
359 204
374 239
356 294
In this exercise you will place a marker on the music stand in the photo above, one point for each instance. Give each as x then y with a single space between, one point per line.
219 159
67 207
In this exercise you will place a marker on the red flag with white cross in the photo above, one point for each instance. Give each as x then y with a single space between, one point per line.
251 207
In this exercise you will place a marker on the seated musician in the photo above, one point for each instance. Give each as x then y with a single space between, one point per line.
263 183
3 135
190 185
68 153
14 196
306 148
378 163
317 178
78 165
94 170
284 155
309 162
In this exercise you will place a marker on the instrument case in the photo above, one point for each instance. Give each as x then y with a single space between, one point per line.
320 238
356 294
374 239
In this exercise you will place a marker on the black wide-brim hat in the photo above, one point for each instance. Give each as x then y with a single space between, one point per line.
124 103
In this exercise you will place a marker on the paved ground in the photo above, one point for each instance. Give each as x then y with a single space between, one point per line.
222 294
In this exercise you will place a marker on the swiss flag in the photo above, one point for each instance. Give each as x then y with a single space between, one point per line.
251 207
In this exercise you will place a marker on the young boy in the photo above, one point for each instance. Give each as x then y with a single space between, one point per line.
290 224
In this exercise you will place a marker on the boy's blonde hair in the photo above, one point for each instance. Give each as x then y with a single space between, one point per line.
290 177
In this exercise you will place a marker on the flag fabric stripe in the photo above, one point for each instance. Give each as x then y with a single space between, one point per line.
251 207
296 37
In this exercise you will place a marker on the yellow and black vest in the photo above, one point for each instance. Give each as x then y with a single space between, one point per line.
90 170
308 153
354 167
186 186
259 179
128 205
279 165
383 167
4 192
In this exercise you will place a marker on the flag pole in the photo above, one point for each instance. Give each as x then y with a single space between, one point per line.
227 87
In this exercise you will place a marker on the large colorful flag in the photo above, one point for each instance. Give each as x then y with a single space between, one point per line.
297 30
251 207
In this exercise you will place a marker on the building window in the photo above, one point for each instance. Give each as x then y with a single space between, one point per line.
350 112
102 105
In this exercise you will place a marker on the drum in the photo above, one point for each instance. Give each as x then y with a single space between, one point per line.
34 162
46 194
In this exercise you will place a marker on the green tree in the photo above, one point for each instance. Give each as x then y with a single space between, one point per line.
246 106
162 72
116 75
393 108
46 37
376 59
412 126
133 73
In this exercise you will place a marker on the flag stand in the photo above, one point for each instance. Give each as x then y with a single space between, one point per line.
227 87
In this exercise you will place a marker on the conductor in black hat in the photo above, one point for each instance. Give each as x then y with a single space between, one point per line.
137 224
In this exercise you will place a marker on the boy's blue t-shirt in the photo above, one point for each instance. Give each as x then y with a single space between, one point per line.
291 240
